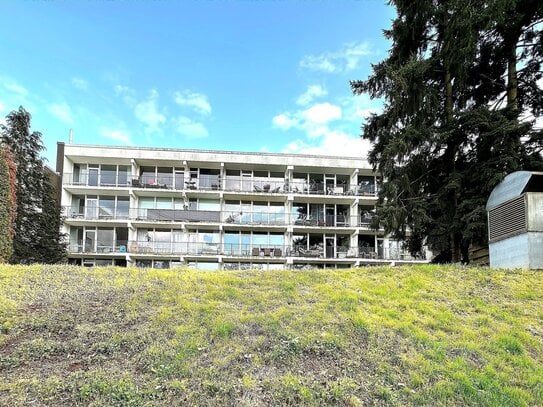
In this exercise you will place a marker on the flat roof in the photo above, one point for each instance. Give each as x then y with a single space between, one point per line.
188 150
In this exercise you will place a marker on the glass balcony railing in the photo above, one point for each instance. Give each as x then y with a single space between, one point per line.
266 251
177 182
215 183
99 247
270 218
97 179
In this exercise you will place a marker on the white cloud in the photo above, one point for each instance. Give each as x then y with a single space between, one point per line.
121 89
79 83
312 92
62 112
149 114
2 107
191 129
313 120
322 113
347 58
14 87
357 108
116 135
328 128
126 93
333 142
194 100
284 121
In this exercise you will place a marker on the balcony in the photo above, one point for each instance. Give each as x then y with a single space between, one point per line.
366 219
97 179
177 182
98 247
320 220
236 184
95 213
262 251
255 218
240 184
207 249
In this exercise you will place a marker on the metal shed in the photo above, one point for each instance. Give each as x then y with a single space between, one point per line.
515 221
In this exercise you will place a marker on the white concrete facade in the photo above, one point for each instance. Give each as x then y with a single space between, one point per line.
219 210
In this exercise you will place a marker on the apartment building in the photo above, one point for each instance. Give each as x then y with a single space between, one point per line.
160 207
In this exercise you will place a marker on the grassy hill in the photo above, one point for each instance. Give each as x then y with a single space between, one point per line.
427 335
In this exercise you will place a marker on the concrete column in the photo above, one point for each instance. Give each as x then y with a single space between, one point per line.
354 240
135 168
354 180
222 177
353 213
288 176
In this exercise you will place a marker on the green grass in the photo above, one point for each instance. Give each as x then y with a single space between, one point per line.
425 335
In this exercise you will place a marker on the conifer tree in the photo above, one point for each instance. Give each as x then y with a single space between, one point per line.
7 203
37 236
457 78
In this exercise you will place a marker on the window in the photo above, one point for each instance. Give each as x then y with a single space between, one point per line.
209 205
162 239
260 212
161 264
163 203
147 202
124 175
231 244
104 240
147 175
209 179
123 207
108 175
232 180
106 207
164 176
144 263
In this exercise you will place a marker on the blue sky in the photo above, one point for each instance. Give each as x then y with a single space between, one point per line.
235 75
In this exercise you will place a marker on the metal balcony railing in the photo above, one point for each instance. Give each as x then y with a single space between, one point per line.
97 246
241 184
271 218
316 219
266 251
215 182
207 249
95 212
178 182
97 179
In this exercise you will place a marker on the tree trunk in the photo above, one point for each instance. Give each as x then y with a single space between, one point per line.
452 147
512 80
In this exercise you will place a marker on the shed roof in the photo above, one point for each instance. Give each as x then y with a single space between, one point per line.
513 185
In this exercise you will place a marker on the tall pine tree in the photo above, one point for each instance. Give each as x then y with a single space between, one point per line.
37 237
451 127
7 203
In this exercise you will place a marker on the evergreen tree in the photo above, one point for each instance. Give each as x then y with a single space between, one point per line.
37 235
7 203
444 140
